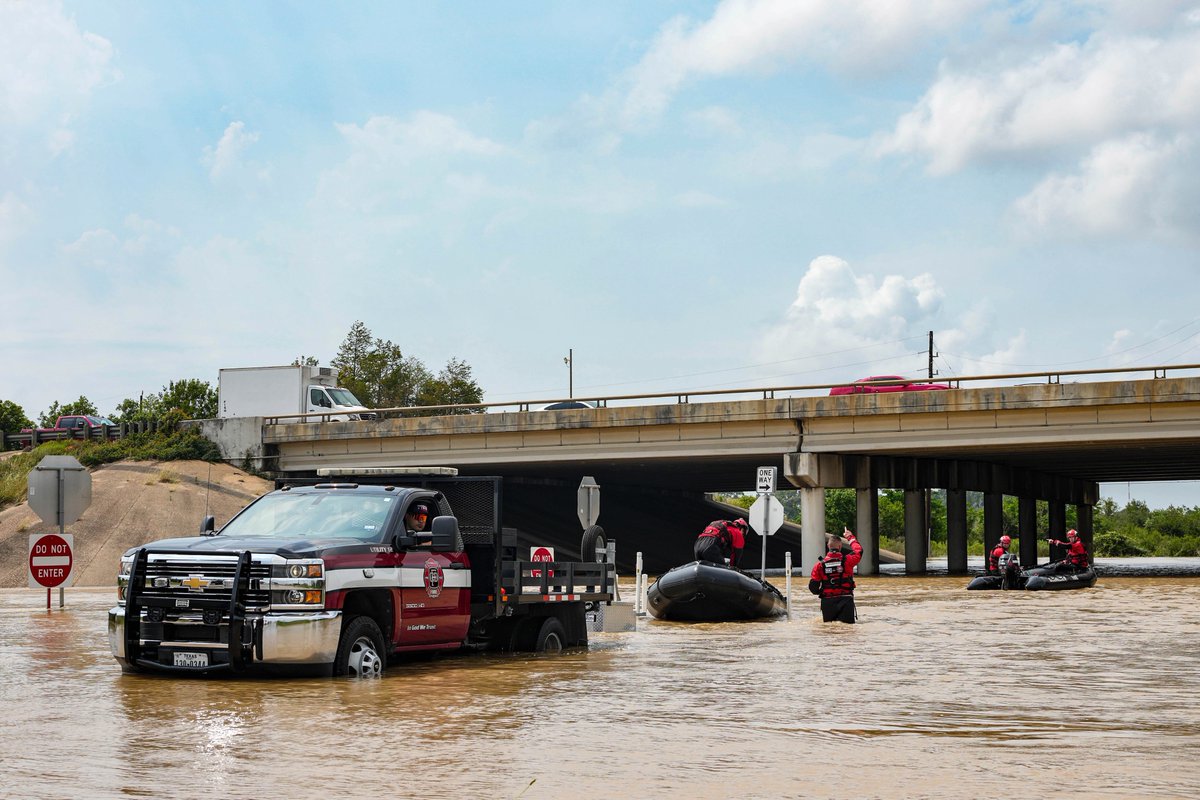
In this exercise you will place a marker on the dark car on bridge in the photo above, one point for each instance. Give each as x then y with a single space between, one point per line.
901 384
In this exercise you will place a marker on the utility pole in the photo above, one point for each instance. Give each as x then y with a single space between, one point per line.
929 492
932 371
570 362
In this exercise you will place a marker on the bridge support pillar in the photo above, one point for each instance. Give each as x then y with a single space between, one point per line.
993 522
866 521
956 531
812 527
1027 529
1058 528
916 541
1085 526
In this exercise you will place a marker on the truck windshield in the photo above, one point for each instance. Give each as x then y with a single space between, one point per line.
343 397
323 515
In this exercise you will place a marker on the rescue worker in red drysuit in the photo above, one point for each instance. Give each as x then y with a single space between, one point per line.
1077 557
722 539
833 578
993 566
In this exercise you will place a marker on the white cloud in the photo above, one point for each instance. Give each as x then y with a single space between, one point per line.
226 158
138 252
403 168
717 120
745 36
48 70
1139 184
1070 97
836 311
424 133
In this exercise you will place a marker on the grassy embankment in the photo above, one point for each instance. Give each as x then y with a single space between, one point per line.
175 446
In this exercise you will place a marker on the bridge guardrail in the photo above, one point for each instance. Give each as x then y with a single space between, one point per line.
28 440
767 393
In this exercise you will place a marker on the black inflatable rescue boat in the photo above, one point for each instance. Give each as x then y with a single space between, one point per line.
705 592
1051 577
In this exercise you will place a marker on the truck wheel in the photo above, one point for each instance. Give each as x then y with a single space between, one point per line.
594 546
551 638
360 650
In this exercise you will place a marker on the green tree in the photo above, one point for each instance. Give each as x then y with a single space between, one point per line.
841 509
351 356
193 398
12 417
453 385
305 361
146 408
891 514
80 406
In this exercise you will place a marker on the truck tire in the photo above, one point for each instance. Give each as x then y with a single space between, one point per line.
360 651
594 546
552 638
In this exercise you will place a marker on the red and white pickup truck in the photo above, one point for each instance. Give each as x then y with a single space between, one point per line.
328 577
71 426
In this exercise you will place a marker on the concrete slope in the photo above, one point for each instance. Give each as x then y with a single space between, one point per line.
133 502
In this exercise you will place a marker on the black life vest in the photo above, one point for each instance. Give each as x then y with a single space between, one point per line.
719 530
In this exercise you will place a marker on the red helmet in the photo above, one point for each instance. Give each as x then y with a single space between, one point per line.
741 523
1071 534
1006 540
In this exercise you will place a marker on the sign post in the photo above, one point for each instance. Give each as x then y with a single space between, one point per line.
766 513
60 490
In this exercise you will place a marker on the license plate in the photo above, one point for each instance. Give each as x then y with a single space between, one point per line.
191 659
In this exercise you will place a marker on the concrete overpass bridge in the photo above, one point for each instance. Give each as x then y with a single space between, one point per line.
656 456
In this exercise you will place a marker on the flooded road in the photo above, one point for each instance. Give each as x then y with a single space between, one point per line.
937 693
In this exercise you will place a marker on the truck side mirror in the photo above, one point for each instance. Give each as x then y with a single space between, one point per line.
445 535
208 525
402 541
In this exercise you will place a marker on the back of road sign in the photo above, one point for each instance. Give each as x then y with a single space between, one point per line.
44 487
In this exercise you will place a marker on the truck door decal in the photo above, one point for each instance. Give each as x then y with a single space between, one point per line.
434 578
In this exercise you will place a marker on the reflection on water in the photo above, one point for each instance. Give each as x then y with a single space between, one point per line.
938 692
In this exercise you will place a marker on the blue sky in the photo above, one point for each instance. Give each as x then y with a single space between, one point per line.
688 195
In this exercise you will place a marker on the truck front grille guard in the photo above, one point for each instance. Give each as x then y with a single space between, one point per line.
245 639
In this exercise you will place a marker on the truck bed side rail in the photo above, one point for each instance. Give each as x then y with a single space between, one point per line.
549 581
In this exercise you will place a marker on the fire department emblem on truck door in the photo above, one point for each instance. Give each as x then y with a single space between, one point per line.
433 578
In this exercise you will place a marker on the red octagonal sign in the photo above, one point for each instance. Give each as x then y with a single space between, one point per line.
49 560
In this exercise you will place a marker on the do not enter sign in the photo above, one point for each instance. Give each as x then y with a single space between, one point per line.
541 554
50 560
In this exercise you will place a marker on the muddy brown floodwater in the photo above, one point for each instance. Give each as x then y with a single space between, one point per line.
937 693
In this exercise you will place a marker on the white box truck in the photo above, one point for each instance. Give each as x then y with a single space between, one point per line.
279 391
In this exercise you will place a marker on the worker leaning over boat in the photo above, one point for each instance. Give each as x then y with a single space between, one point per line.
722 539
1077 557
833 577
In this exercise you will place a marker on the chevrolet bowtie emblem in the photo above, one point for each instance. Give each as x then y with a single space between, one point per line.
194 582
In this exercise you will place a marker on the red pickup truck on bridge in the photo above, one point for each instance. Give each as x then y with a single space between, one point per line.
71 426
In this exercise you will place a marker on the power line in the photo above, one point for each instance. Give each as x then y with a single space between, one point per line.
735 369
1085 360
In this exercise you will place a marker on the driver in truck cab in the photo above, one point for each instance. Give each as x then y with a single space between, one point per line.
416 519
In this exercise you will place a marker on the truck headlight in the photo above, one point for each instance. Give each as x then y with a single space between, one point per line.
298 584
123 579
299 569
